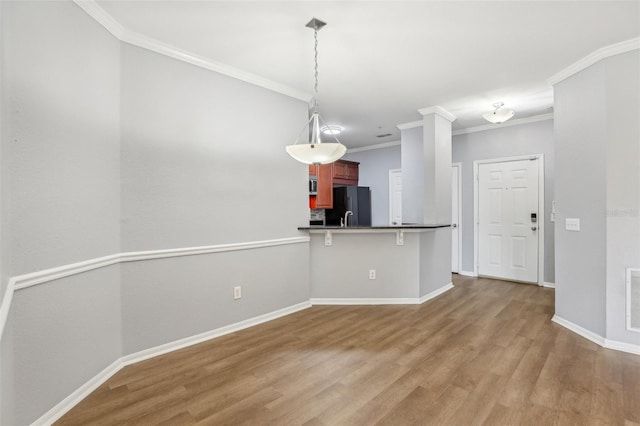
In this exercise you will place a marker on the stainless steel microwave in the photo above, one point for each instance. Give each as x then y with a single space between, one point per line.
313 185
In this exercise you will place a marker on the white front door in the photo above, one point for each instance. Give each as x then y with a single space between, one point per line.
395 197
508 220
455 218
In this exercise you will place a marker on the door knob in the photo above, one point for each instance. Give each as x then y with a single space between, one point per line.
454 226
533 228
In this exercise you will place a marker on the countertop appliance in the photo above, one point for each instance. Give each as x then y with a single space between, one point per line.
313 185
356 199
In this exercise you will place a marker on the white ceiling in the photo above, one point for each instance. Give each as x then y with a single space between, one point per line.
381 61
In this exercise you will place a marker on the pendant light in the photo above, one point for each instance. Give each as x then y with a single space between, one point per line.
499 115
316 151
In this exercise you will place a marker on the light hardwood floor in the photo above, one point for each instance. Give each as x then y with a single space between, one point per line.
485 352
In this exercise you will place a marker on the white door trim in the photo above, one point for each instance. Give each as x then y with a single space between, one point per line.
541 215
458 166
391 172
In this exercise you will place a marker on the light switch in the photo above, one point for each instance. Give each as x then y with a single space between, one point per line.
572 224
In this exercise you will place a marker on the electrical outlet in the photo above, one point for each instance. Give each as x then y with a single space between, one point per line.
237 292
372 274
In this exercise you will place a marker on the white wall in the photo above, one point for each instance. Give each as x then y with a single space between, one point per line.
374 173
107 148
524 139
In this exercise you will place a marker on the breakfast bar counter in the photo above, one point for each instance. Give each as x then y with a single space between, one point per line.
406 264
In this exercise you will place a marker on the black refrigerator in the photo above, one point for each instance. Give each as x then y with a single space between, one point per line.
356 199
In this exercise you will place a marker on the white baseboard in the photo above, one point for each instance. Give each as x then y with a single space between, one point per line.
467 273
380 300
78 395
597 339
436 293
365 301
83 391
622 346
208 335
587 334
548 285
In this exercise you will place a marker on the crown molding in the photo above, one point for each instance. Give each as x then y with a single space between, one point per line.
438 111
372 147
136 39
102 17
587 61
411 125
517 122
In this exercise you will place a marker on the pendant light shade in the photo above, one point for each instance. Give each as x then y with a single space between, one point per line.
316 151
499 115
320 153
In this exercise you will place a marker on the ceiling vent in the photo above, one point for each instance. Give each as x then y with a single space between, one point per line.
384 135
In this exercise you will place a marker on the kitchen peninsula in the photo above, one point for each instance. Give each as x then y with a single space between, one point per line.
378 264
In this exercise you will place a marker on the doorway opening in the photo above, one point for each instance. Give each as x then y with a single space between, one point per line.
509 218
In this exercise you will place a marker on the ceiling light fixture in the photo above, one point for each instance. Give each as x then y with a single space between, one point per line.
499 115
315 151
332 130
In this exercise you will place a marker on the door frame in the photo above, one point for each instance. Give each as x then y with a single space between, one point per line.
390 189
541 212
458 166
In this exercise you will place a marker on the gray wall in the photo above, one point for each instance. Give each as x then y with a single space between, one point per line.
413 181
197 168
397 267
412 270
598 180
108 148
436 162
524 139
61 197
623 186
374 173
581 184
62 148
435 260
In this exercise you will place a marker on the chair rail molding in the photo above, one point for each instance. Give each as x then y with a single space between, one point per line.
21 282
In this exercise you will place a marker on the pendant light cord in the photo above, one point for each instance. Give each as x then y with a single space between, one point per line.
315 87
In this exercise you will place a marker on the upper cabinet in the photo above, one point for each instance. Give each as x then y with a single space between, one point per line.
341 172
345 172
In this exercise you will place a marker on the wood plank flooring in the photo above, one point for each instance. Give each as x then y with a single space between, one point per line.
485 352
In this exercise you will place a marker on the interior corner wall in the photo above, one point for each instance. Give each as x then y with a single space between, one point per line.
413 180
622 99
580 134
374 173
182 156
203 164
503 142
60 201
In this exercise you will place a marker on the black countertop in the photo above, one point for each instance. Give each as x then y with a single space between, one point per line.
398 227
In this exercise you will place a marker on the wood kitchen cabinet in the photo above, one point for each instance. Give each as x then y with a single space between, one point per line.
341 172
324 197
345 172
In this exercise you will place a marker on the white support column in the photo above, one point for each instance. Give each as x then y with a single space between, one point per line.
437 164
